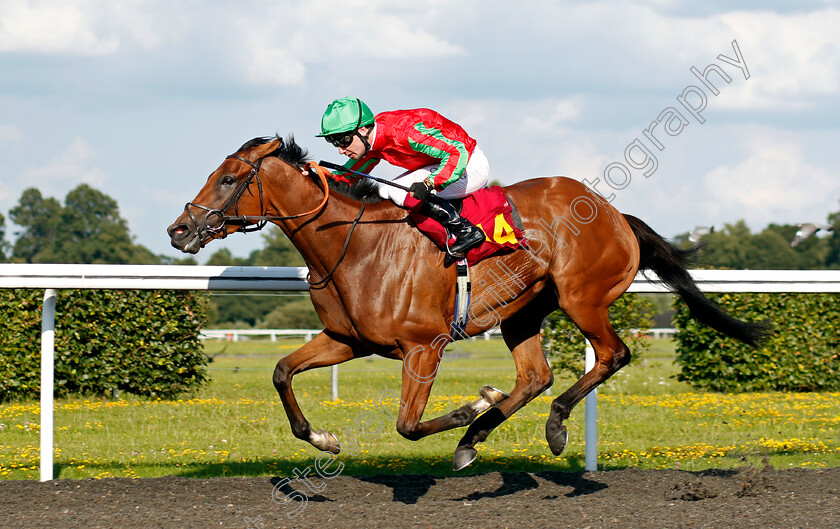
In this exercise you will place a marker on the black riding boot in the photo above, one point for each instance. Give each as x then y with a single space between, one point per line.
467 236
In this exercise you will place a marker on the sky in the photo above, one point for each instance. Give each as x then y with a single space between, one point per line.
143 99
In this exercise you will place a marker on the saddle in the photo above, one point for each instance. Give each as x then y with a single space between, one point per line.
492 211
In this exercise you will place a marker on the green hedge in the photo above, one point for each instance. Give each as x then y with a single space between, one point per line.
142 342
566 344
801 355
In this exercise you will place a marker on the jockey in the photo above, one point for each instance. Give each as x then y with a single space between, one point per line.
442 160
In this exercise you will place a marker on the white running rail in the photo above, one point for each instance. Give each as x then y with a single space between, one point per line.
58 276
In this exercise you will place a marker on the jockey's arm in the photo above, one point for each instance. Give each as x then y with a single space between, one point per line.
453 155
362 165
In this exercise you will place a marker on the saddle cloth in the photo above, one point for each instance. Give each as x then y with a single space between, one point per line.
492 212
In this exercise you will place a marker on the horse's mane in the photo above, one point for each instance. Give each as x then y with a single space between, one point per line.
363 190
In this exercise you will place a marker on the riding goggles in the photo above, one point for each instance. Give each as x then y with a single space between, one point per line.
341 140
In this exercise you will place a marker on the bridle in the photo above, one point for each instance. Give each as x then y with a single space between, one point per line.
219 232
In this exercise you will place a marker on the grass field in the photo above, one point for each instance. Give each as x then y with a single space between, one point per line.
236 425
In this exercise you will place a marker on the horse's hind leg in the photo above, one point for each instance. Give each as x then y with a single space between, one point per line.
321 351
611 354
533 376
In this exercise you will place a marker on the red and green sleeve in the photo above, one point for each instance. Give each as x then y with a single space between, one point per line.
365 164
452 153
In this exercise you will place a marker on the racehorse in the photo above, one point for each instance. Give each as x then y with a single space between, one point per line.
380 287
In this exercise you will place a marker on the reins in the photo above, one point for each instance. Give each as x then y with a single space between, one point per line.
326 278
261 220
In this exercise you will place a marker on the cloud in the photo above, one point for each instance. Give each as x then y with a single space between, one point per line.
591 46
52 27
74 166
9 135
376 30
270 44
794 57
89 27
287 38
774 183
622 47
791 57
528 137
274 66
550 115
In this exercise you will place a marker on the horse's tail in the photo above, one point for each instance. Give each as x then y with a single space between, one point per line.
671 265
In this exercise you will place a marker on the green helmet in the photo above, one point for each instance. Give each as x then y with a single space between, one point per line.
345 115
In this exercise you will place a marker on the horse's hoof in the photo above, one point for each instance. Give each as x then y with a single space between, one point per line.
464 456
492 395
557 438
325 441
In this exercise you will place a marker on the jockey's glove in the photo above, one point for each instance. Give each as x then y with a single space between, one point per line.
420 190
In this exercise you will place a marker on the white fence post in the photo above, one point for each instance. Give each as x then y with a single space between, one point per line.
47 383
591 428
334 384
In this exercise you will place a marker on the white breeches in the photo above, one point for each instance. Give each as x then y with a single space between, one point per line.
475 177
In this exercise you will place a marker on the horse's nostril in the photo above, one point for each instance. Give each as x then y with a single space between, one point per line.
178 230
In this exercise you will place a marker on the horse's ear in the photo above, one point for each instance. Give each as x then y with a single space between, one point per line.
267 148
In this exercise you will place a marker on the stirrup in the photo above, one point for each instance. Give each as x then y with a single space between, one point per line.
465 246
469 238
452 256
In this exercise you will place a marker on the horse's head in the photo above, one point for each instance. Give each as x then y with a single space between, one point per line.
233 198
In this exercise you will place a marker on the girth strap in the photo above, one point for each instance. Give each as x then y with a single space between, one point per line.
463 289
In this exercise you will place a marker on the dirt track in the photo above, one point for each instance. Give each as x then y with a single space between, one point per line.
744 498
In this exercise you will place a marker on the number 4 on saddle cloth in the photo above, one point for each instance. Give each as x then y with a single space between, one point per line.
492 212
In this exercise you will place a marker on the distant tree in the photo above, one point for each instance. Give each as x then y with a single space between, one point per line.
97 232
278 250
87 229
728 247
191 261
237 309
295 314
736 247
223 257
832 259
39 219
3 244
774 245
262 309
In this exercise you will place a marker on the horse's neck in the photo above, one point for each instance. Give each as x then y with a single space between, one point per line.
320 237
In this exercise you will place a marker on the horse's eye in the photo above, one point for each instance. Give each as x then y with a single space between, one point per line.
228 180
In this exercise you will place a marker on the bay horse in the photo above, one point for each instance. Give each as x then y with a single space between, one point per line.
380 287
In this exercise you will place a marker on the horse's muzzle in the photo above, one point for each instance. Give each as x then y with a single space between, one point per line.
184 237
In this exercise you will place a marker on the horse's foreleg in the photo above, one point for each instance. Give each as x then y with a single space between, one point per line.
611 354
321 351
533 376
420 366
